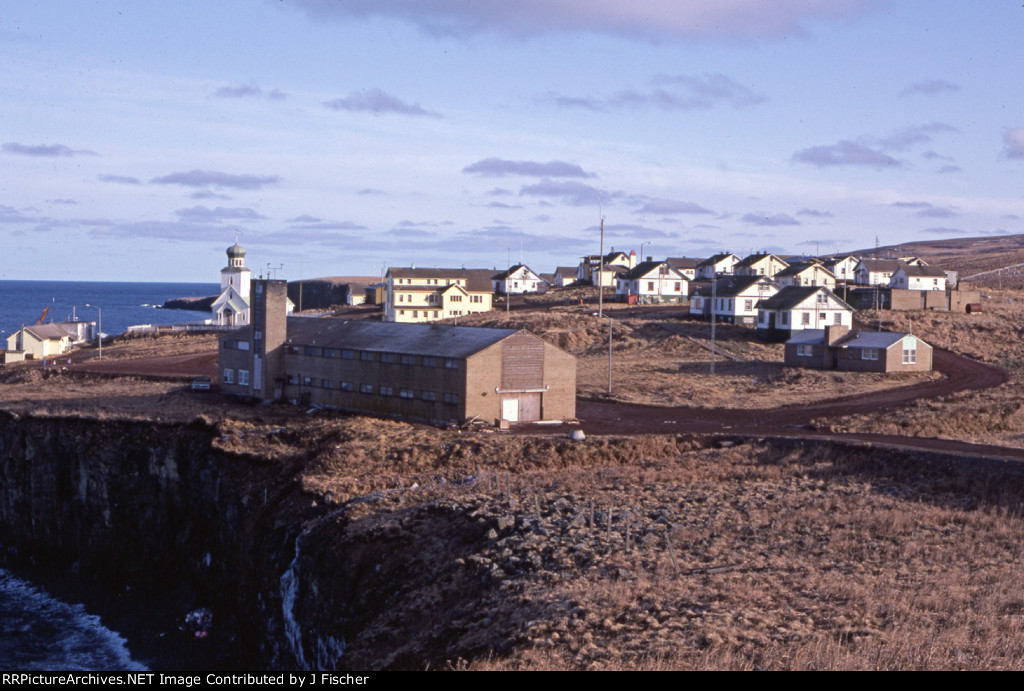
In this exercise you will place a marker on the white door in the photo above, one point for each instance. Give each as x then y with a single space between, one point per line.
510 409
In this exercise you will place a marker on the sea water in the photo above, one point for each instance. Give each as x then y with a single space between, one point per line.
37 631
122 304
41 633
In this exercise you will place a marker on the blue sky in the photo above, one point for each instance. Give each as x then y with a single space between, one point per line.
336 137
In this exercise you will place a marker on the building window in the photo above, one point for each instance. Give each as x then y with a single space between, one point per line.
229 376
748 305
227 345
650 286
805 318
348 355
311 351
451 364
406 393
910 356
803 350
456 298
243 345
409 360
259 289
308 381
869 353
346 386
452 398
327 383
822 299
839 319
331 352
431 361
258 334
387 358
679 287
366 388
415 314
292 379
784 318
367 356
386 390
429 396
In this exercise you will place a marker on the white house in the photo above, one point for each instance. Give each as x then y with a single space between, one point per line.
920 277
687 266
806 274
798 308
518 280
722 263
760 264
732 298
651 282
843 267
875 272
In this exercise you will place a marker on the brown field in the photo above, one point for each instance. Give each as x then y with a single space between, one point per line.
995 416
659 553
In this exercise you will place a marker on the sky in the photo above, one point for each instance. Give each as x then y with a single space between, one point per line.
139 139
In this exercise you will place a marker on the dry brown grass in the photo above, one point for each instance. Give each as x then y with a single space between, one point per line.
670 556
994 416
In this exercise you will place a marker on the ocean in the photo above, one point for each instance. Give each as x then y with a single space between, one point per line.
122 304
39 632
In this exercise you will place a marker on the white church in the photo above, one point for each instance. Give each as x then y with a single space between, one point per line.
231 308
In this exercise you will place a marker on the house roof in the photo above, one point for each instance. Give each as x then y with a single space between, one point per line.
731 286
47 332
755 258
477 280
924 271
684 262
879 265
870 339
390 337
644 268
565 270
717 258
508 272
792 296
797 269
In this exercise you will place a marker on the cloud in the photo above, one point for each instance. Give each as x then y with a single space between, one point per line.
911 205
162 230
929 87
248 91
305 236
319 224
45 150
204 215
1013 143
949 169
908 136
631 230
502 205
369 191
63 201
671 93
497 167
8 214
845 153
211 178
570 192
122 179
377 102
814 213
671 206
651 20
773 220
936 212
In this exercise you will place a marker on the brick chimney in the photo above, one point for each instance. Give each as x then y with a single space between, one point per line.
835 332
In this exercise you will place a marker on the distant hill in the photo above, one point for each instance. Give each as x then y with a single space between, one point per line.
968 256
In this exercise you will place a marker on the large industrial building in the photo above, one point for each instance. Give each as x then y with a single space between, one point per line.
421 372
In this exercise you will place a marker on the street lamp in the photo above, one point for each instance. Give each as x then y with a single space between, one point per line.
99 327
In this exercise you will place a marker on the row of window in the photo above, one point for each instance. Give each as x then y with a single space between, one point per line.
235 345
379 389
228 377
371 356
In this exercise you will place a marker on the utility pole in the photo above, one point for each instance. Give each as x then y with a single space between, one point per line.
714 298
609 356
600 275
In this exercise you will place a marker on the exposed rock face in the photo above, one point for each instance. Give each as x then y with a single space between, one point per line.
197 304
152 508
